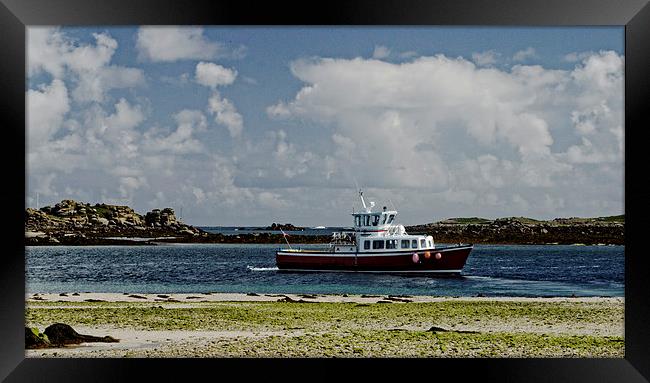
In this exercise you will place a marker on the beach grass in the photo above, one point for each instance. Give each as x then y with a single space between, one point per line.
348 329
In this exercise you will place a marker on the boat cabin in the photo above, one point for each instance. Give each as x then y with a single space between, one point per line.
377 232
373 221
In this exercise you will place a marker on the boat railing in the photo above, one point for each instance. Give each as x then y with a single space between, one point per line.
343 238
396 230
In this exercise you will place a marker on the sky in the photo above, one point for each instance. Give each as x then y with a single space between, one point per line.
245 126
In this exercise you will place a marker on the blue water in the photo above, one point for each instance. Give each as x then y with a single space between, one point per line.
491 270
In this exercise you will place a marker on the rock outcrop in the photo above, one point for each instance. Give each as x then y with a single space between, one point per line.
35 338
70 222
160 218
283 226
59 335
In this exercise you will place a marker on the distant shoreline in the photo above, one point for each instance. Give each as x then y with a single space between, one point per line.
76 224
274 239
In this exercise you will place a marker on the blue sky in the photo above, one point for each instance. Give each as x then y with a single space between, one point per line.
248 126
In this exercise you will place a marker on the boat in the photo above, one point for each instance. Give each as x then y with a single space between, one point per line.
318 227
376 244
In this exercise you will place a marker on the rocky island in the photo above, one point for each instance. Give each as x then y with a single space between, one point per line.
77 223
284 226
521 230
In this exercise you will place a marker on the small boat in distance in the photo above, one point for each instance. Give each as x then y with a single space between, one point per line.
318 227
376 245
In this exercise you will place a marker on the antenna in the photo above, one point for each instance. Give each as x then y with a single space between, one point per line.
285 235
36 200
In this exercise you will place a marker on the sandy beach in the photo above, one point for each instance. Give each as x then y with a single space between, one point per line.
255 297
305 325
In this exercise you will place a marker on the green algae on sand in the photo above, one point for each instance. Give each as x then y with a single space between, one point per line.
472 328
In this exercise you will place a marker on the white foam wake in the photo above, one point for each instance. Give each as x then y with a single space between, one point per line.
251 268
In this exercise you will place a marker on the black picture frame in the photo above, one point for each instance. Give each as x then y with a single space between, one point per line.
15 15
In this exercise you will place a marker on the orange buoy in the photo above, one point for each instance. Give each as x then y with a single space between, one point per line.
416 258
427 255
438 256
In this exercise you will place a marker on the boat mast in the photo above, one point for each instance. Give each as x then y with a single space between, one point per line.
363 202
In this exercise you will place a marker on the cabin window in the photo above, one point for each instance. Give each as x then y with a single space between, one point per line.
384 216
357 220
423 243
375 220
405 243
414 243
366 245
391 244
391 218
366 220
377 244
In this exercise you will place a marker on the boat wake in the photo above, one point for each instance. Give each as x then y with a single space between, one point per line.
251 268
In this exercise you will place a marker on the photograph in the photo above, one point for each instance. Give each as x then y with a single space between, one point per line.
371 191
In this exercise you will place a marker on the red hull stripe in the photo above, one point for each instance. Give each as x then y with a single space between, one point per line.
370 253
452 260
379 271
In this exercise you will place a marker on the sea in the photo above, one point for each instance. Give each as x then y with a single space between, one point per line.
491 270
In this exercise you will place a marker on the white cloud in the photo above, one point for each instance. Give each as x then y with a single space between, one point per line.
224 111
213 75
408 54
93 86
586 153
226 114
171 43
393 127
380 52
52 51
45 51
126 116
114 134
438 136
278 110
577 56
180 80
486 58
600 73
489 104
46 108
91 58
128 185
182 140
524 54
